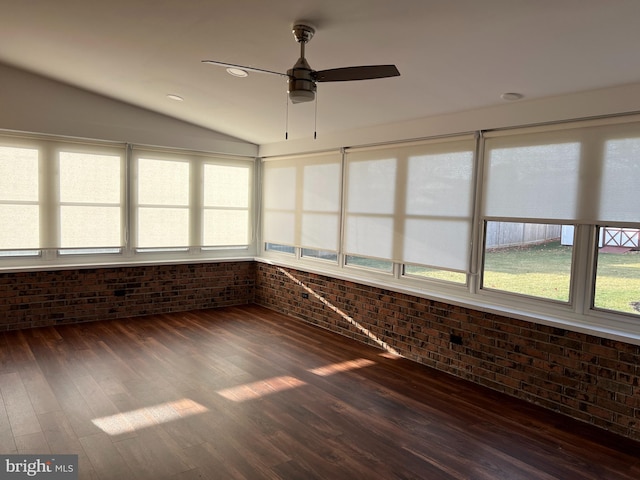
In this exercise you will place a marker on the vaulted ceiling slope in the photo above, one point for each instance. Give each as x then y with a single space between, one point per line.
453 56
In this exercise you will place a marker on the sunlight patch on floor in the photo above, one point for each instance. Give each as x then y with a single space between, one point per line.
260 388
131 421
390 355
250 391
342 367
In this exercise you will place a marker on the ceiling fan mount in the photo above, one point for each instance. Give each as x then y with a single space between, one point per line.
302 79
303 32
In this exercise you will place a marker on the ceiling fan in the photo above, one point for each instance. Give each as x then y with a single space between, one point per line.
302 78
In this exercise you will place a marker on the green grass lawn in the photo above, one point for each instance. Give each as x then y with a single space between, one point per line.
618 282
544 271
539 270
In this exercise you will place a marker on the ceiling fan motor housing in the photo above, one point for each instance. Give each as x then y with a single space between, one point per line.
302 86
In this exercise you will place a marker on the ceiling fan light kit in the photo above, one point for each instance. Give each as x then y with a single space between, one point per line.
237 72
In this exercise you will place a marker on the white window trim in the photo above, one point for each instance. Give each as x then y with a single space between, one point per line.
52 257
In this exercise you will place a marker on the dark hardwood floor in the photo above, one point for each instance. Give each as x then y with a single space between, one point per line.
247 393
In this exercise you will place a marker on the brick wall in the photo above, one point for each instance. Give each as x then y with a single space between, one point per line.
31 299
586 377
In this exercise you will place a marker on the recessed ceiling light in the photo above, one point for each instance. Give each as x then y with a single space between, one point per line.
177 98
237 72
511 96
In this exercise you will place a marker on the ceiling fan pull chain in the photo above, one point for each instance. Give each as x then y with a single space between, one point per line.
286 121
315 119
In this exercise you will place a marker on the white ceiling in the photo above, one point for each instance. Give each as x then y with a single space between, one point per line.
453 55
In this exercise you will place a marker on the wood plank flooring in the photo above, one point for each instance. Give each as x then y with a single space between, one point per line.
246 393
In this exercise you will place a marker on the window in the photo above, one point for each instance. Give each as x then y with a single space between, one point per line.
163 203
301 204
19 199
280 198
60 197
320 254
618 184
370 263
617 278
275 247
91 199
320 221
227 190
528 259
411 203
617 282
65 199
561 177
370 207
532 181
531 177
419 271
190 201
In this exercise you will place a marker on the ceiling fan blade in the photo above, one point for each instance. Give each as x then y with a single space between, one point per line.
242 67
366 72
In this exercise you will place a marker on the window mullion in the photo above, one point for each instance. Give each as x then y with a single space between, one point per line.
400 209
49 185
583 275
343 208
196 204
298 212
477 224
128 213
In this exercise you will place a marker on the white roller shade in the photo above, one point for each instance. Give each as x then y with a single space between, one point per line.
535 176
584 172
620 195
91 192
412 203
163 190
439 209
371 204
19 198
320 221
301 201
227 190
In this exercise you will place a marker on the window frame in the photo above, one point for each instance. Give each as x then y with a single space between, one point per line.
52 254
571 287
600 242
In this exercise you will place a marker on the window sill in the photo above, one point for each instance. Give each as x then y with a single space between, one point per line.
137 260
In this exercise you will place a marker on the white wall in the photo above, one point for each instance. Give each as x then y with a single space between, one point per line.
32 103
594 103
